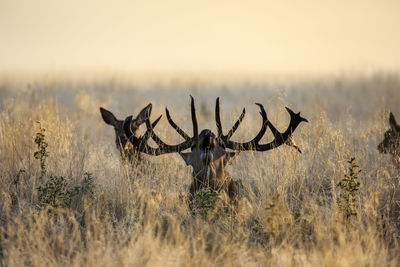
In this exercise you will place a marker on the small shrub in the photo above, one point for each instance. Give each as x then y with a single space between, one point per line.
42 153
274 216
349 189
87 184
56 191
209 204
257 232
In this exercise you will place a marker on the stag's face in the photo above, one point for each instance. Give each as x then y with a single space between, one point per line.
391 142
130 123
207 145
208 155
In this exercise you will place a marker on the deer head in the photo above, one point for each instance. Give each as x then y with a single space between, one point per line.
391 141
209 156
128 147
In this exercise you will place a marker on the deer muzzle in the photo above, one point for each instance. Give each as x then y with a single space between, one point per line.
206 156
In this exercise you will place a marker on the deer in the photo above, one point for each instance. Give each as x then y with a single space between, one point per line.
209 156
391 141
128 149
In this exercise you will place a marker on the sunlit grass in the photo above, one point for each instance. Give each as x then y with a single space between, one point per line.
289 211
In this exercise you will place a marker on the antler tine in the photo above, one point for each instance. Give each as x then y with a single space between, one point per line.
264 124
163 147
194 120
126 125
236 125
155 122
279 138
251 145
149 131
291 143
221 136
176 127
218 119
285 137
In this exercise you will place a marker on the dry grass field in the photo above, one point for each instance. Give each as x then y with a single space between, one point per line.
85 207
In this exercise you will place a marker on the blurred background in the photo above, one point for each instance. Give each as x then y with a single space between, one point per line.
201 39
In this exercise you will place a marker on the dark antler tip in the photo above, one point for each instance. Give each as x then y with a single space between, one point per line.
167 112
148 110
156 121
192 100
262 110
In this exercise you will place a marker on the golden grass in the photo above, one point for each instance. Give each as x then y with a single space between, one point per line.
138 216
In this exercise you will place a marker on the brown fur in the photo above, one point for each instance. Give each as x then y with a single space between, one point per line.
391 141
211 173
127 148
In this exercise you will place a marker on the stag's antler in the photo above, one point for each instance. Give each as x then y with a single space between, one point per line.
194 122
141 142
224 140
279 138
163 148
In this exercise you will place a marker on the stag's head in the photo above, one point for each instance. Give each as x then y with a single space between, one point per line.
130 124
391 141
208 155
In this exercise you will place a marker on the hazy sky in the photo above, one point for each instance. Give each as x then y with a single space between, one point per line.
249 36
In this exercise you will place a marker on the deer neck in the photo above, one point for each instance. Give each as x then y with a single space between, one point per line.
213 175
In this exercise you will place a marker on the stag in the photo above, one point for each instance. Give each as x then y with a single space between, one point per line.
129 149
391 141
209 156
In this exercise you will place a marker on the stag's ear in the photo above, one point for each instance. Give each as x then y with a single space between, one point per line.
186 157
144 114
108 117
393 123
230 157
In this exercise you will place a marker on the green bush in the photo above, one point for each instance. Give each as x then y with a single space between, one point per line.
56 191
349 190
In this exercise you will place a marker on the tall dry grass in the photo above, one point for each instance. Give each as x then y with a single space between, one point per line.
138 216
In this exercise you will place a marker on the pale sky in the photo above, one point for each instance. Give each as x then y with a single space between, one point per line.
249 36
